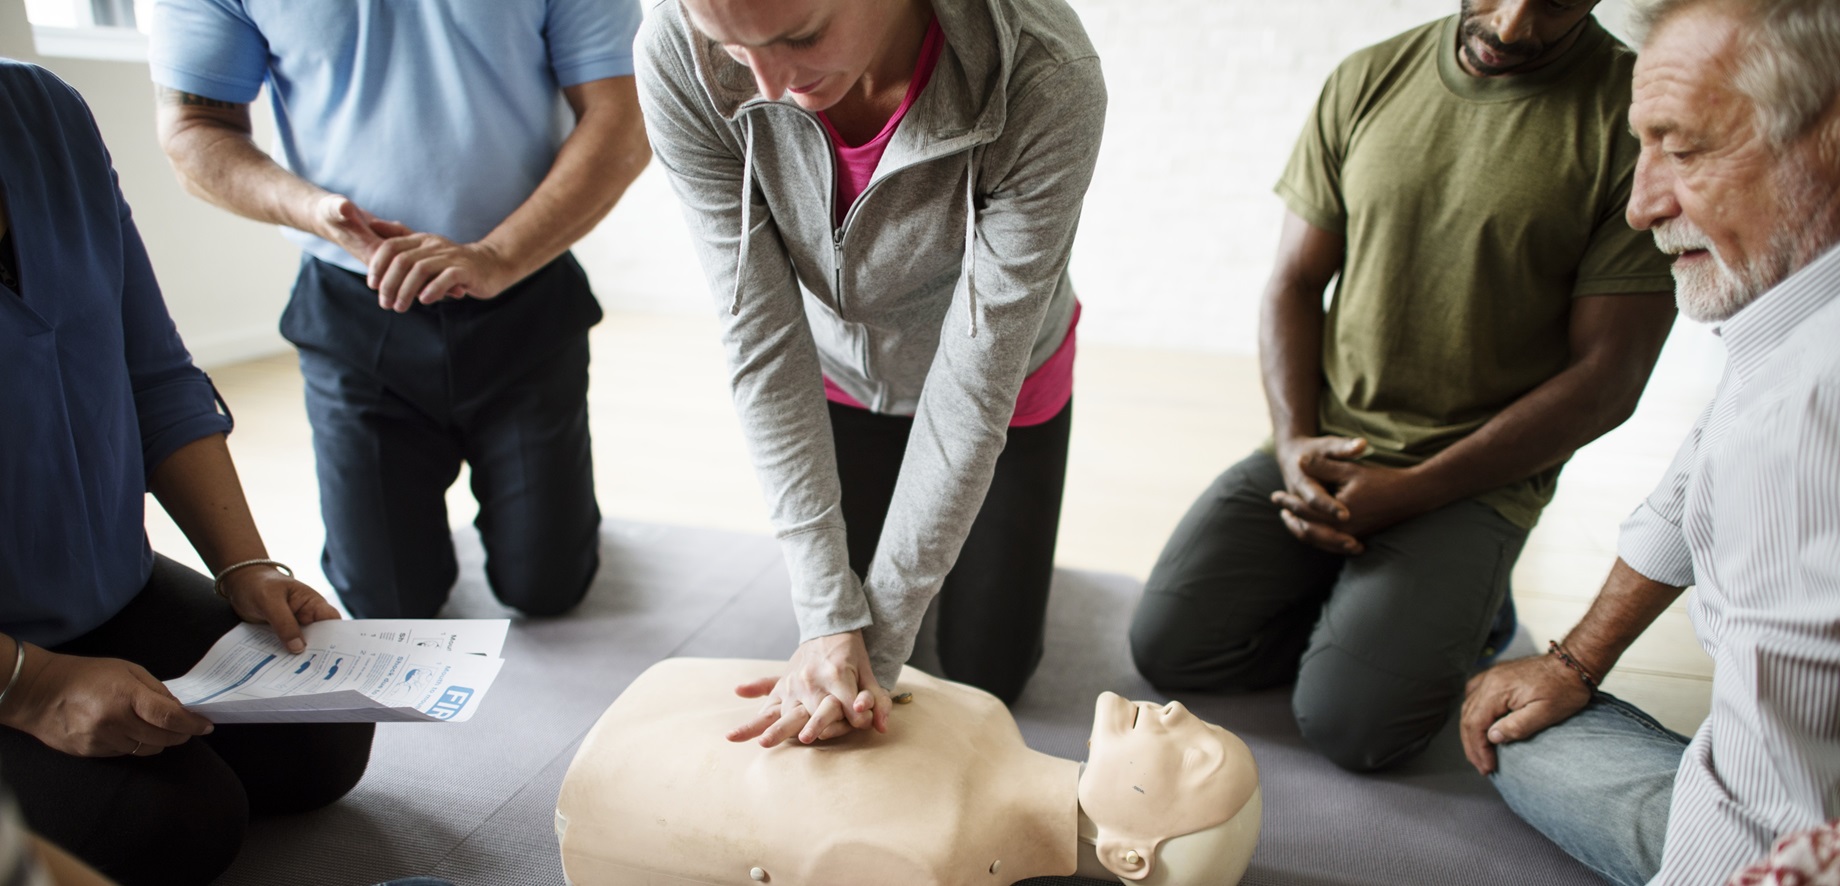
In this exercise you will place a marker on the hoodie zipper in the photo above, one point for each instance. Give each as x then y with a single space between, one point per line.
840 231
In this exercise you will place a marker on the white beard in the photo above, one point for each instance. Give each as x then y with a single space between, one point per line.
1706 292
1712 293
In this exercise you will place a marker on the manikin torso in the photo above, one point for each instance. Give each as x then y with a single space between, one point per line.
950 795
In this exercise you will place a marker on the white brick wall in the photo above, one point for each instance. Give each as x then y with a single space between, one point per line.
1207 97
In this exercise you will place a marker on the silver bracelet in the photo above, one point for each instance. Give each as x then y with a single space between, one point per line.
217 584
19 666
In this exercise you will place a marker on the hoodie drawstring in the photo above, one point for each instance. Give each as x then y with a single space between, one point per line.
970 261
747 221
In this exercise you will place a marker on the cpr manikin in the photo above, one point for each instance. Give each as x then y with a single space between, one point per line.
949 795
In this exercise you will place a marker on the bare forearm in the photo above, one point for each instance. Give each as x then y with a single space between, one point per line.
1627 605
1541 429
198 487
1290 358
1291 325
216 159
1615 341
593 168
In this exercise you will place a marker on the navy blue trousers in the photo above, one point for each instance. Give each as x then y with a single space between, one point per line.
399 401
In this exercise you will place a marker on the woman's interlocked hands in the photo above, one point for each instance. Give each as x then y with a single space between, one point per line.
830 690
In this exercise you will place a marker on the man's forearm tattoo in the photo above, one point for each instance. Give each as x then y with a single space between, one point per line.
170 96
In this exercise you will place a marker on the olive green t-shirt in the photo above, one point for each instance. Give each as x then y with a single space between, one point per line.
1474 210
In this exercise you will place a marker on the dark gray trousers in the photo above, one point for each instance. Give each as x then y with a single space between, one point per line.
1380 644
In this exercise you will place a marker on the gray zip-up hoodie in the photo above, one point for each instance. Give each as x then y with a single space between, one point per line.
944 287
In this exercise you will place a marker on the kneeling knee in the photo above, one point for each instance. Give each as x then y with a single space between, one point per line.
1001 675
1356 737
545 589
1171 662
344 758
293 768
163 829
1166 669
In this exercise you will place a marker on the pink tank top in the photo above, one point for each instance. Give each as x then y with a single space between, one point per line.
1046 390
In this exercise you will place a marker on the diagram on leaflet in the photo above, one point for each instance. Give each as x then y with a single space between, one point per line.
352 671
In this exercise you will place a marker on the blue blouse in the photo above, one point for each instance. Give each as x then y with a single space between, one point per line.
96 389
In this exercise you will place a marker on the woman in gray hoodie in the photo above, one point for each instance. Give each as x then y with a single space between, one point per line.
883 194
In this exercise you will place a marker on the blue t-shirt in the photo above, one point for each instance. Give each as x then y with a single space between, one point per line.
96 389
441 114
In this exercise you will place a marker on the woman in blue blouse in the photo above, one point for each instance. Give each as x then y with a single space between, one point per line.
102 405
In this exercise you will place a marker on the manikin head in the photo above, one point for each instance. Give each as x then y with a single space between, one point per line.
816 50
1737 105
1158 774
1505 37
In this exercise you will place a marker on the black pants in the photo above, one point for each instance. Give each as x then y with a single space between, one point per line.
990 612
1380 645
177 816
398 401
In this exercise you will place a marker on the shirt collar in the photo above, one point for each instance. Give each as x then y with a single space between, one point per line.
1753 333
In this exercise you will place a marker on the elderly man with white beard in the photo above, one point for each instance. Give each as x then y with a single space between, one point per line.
1737 105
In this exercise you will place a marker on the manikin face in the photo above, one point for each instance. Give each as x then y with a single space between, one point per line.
1157 772
814 49
1740 214
1516 36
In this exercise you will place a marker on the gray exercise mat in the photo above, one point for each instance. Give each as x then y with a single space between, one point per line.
473 802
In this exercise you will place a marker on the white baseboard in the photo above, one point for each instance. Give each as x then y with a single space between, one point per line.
223 349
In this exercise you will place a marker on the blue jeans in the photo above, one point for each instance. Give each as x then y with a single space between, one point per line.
1599 785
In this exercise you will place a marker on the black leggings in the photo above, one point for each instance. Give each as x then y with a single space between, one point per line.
177 816
990 612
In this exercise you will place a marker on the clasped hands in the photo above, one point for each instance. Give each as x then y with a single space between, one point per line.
1332 501
408 266
107 707
830 690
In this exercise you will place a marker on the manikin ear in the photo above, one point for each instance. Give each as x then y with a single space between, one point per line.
1201 761
1129 859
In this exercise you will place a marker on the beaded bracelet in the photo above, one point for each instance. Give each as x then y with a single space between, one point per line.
1554 648
217 584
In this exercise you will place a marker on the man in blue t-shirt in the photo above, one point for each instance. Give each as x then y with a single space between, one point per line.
427 172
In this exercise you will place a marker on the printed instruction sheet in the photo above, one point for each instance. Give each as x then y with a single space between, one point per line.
386 670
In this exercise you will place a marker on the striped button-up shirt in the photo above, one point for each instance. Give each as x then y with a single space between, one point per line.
1749 514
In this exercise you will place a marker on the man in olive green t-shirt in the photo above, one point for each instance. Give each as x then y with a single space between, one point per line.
1466 180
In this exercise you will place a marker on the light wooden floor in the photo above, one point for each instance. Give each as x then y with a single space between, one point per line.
1151 429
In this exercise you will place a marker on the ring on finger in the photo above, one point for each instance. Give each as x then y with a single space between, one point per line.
137 750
